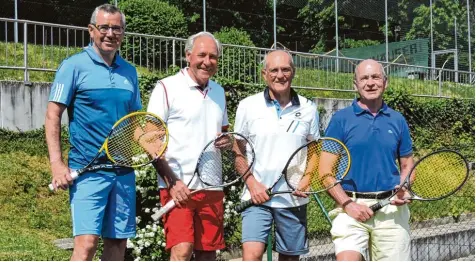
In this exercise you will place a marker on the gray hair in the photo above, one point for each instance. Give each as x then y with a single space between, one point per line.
265 60
382 69
107 8
191 40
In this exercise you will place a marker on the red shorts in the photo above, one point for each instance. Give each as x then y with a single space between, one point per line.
199 222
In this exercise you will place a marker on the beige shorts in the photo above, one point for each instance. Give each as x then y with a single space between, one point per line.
385 236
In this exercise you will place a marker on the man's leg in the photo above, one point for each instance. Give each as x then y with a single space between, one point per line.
390 239
119 217
350 237
181 252
114 249
208 221
256 226
84 247
253 251
87 212
179 228
291 232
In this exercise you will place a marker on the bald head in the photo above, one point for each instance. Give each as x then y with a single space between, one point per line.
369 63
275 53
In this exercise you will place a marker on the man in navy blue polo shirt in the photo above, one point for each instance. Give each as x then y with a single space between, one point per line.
378 138
97 87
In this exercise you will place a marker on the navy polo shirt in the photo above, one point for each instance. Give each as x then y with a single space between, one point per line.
96 95
374 143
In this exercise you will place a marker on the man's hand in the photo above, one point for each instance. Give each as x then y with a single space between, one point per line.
401 198
359 212
151 142
299 193
179 193
223 142
61 178
257 191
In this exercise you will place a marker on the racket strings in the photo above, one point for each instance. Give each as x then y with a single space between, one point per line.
137 139
318 166
222 162
438 175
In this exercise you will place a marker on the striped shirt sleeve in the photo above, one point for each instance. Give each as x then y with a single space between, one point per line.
64 85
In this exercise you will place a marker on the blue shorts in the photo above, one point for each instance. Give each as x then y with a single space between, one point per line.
104 205
290 226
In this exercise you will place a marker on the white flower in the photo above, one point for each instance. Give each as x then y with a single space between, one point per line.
148 227
130 244
147 244
154 229
147 210
137 220
137 259
140 242
163 244
230 203
233 188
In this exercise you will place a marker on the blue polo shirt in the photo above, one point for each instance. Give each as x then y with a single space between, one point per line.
374 143
96 95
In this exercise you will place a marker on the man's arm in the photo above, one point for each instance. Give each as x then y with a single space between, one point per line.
357 211
60 171
406 164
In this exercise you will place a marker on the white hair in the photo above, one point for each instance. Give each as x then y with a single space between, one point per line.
265 61
108 8
191 40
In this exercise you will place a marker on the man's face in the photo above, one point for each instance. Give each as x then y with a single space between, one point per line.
369 80
107 33
203 59
279 72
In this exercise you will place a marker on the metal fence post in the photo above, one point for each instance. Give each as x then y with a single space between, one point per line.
173 52
26 77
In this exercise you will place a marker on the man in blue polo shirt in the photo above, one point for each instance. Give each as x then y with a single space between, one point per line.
97 87
377 138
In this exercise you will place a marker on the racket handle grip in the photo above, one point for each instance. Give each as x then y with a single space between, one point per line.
73 175
243 205
163 210
379 205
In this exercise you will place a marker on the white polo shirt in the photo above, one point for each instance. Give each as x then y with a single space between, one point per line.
193 116
276 133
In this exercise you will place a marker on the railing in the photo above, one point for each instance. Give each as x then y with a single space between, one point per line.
43 46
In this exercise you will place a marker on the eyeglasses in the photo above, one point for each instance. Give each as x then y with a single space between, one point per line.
286 71
375 78
103 29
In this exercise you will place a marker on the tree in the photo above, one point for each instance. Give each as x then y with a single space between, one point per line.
444 14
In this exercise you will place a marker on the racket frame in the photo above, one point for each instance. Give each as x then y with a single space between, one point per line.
245 204
90 167
171 204
406 182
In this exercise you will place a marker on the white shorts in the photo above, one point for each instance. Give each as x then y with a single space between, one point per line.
385 236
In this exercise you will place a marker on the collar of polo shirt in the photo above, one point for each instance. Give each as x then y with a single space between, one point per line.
191 83
294 97
96 58
359 110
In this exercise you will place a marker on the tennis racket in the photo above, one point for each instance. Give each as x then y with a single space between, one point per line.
135 140
314 167
223 162
433 177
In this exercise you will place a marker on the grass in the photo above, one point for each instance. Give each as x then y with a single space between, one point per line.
31 216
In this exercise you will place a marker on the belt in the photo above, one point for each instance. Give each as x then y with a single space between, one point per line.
380 195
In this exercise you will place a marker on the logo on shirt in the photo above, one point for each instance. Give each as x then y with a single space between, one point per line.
390 131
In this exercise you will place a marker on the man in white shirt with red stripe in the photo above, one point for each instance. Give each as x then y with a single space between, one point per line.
194 108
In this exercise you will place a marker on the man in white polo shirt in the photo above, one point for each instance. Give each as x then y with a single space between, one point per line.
277 121
194 108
